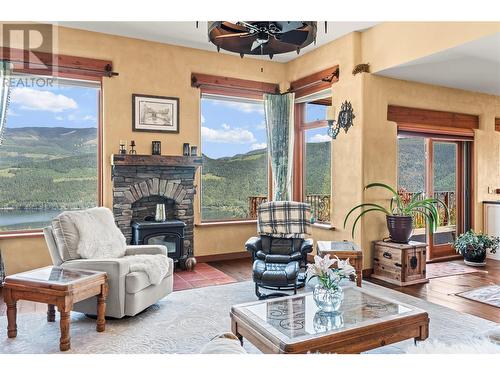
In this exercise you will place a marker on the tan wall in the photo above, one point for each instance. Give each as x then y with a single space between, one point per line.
367 153
154 69
380 140
392 43
347 161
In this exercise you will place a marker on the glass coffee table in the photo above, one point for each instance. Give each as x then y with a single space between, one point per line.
59 287
292 325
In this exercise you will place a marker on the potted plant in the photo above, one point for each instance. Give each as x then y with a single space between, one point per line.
400 214
473 247
328 293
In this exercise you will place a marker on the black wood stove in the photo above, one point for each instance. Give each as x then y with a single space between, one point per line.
168 233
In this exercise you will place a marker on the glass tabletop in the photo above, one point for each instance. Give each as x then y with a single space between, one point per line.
55 275
299 316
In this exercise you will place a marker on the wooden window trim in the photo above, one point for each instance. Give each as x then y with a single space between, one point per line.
433 121
58 65
497 124
236 87
315 82
26 233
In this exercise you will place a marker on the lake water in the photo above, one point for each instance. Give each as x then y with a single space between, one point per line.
26 219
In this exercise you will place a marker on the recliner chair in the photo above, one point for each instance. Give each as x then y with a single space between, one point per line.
280 252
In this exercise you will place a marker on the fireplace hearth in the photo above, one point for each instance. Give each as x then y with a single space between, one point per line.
142 181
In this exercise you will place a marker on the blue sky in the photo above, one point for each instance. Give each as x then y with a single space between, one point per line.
72 107
233 127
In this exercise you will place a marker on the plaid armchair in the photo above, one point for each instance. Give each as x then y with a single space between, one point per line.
280 252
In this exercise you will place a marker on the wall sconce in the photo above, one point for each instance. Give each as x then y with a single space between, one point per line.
344 121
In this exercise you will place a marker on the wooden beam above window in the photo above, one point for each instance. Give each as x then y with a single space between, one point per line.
218 85
42 63
431 118
315 82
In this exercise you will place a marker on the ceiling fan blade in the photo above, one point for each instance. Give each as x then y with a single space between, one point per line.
232 27
222 36
286 26
296 37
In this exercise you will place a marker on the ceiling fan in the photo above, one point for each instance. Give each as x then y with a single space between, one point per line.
262 37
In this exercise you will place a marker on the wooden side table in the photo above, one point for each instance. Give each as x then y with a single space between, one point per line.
343 250
59 287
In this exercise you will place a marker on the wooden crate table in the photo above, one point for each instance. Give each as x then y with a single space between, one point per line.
59 287
400 264
343 250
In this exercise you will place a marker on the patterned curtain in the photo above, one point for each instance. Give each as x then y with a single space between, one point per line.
280 138
4 95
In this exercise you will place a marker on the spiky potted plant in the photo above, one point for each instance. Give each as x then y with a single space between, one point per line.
400 213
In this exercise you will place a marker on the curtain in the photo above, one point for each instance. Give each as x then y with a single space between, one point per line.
4 95
280 138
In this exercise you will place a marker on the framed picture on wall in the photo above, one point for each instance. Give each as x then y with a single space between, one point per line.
155 113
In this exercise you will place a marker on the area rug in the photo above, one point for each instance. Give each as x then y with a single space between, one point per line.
184 321
489 295
443 269
202 275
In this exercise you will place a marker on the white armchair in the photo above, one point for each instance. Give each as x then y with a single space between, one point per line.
129 292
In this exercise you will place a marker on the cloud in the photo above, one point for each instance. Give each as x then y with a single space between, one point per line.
202 119
258 146
318 138
261 126
225 126
59 118
88 118
37 100
242 106
227 135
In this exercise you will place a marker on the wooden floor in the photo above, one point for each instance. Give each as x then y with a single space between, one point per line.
440 290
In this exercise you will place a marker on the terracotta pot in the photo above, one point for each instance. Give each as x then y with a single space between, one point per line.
400 228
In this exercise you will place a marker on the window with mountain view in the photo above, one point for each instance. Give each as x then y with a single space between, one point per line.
235 165
48 160
317 162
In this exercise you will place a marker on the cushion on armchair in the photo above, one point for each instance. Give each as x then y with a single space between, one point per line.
87 234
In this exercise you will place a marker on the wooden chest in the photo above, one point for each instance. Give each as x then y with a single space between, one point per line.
400 264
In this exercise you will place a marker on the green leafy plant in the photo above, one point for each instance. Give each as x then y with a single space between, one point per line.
472 245
400 206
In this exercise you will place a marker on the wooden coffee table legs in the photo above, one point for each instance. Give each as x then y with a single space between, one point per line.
64 324
101 309
11 313
51 313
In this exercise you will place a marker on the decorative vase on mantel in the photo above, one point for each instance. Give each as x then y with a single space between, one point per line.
328 294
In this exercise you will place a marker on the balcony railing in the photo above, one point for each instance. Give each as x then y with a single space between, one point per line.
320 206
448 197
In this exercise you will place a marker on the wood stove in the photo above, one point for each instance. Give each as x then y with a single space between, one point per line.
168 233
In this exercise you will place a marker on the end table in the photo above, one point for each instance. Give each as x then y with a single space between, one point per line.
343 250
59 287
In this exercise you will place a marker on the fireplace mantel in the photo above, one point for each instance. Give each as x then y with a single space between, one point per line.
156 160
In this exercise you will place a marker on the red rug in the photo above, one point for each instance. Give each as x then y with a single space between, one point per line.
202 275
448 269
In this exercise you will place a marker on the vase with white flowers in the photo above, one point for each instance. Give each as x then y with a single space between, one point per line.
328 294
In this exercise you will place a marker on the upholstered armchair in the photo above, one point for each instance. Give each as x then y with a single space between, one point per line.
280 251
129 292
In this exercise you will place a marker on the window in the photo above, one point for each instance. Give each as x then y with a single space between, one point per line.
49 158
235 164
316 161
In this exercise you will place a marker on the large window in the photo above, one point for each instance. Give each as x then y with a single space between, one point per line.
48 160
235 164
316 172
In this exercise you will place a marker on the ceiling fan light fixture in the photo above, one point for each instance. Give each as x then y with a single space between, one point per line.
262 37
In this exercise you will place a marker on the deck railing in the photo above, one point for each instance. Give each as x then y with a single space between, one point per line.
320 206
449 198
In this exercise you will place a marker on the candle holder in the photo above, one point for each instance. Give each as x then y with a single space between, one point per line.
123 147
132 148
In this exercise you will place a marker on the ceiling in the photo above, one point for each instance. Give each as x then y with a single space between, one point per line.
473 66
186 34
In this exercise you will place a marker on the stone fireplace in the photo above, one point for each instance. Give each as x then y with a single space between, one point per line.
140 182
